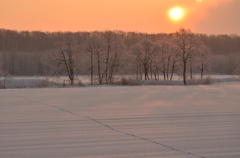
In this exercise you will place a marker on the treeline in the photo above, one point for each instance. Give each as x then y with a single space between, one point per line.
22 52
103 55
37 41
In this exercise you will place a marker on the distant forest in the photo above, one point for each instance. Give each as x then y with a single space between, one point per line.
22 51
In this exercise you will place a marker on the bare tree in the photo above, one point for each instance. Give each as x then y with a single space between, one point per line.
187 44
156 65
118 49
196 46
237 71
89 48
2 81
1 64
63 59
136 51
173 61
94 47
205 59
105 51
99 59
114 49
144 53
4 75
168 58
164 54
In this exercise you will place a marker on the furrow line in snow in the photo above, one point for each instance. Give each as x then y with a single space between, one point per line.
115 130
51 106
145 139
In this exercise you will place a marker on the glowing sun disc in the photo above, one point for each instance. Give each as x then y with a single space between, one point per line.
176 13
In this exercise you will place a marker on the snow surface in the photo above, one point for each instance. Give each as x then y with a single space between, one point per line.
122 122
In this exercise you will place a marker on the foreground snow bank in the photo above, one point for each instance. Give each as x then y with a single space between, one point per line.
142 121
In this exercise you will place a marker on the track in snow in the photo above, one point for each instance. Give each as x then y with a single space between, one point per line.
115 130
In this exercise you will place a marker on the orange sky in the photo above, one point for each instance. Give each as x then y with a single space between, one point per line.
151 16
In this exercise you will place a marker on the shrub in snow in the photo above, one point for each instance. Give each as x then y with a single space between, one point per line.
126 81
2 84
41 83
204 81
79 83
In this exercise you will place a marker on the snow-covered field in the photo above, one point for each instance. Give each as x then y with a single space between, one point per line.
132 121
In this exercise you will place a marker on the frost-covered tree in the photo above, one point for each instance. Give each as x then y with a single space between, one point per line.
237 71
63 58
105 52
93 48
1 63
89 47
144 53
187 44
114 49
168 58
204 60
4 75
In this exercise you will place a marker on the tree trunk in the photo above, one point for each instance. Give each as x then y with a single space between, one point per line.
91 68
71 81
191 70
184 72
99 69
202 71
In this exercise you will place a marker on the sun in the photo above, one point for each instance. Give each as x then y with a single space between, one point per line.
176 13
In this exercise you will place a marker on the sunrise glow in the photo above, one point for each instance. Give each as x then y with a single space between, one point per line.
136 15
176 13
